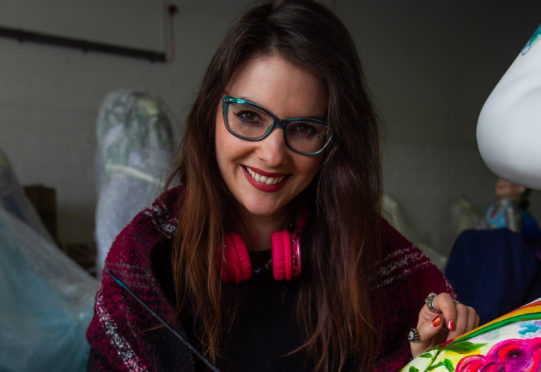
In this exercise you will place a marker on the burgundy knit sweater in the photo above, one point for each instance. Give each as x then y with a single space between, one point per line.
124 336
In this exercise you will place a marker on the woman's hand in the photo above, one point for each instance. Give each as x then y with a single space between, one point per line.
446 320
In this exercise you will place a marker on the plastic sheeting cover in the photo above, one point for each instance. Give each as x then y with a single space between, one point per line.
14 200
136 147
46 297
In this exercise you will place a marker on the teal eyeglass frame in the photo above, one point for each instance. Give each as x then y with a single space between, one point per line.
277 122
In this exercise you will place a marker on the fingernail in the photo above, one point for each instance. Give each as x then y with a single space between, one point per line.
436 321
451 325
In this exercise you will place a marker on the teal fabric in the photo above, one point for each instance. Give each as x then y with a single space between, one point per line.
46 297
14 200
46 303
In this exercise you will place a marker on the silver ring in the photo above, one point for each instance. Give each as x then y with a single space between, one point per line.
429 301
413 335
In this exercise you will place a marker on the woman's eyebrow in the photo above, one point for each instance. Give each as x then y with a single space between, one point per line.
322 117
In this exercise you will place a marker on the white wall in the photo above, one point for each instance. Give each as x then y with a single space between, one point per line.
430 66
96 20
50 96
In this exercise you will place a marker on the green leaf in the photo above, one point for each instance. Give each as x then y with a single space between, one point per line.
463 347
435 366
449 365
425 355
413 369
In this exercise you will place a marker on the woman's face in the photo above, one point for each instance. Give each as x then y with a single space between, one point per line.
288 91
508 190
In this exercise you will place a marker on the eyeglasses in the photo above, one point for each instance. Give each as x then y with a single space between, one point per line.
251 122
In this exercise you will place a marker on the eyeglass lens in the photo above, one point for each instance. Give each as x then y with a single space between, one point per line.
250 122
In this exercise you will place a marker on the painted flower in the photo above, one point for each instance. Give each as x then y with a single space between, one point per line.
496 367
471 363
507 355
514 353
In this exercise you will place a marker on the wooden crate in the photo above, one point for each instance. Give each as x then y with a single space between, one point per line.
44 201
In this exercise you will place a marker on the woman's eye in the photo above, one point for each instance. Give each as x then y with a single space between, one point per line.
248 116
305 130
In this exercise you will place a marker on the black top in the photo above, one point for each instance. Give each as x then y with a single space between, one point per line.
266 328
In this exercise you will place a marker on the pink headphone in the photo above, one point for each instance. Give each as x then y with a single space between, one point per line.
286 255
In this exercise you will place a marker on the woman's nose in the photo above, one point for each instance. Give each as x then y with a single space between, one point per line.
273 149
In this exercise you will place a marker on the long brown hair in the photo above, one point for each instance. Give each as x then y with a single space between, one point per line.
341 242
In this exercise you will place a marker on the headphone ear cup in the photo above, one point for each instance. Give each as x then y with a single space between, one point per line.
237 266
296 258
282 266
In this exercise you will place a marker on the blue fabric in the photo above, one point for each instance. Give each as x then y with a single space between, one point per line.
498 220
494 271
530 229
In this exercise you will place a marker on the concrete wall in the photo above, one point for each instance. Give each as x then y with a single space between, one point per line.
430 65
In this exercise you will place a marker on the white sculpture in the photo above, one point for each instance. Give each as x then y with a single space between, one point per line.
509 126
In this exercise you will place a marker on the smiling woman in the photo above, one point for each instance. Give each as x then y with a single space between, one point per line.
245 166
273 255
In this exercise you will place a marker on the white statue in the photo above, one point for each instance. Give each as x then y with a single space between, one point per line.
509 126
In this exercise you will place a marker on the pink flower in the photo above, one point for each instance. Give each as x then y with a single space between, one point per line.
495 367
506 356
515 354
471 363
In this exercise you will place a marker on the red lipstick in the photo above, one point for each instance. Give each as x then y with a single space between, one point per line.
262 186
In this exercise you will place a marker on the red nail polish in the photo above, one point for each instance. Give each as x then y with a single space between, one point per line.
436 321
451 325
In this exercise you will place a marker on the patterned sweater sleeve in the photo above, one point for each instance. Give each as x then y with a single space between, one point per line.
405 278
122 334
